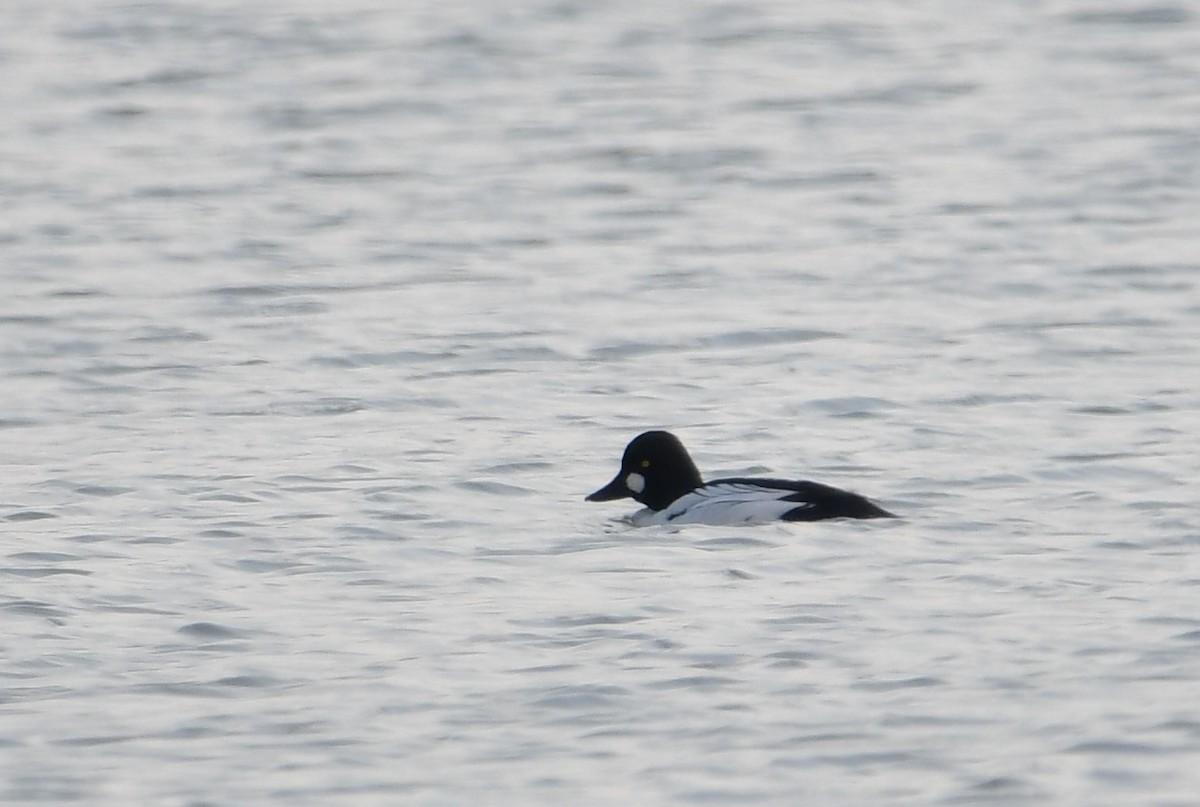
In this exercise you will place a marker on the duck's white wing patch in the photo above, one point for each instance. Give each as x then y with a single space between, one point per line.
726 504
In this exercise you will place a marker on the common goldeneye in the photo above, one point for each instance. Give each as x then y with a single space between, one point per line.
657 471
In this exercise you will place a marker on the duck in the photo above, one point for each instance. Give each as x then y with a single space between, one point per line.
657 471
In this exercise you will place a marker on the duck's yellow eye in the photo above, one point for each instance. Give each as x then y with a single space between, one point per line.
645 463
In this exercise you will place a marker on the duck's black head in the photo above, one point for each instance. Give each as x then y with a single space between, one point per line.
655 470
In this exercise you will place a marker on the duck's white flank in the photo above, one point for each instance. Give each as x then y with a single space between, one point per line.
723 504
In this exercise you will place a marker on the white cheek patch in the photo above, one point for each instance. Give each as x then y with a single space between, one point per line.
635 482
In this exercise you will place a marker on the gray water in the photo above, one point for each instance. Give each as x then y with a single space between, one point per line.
320 319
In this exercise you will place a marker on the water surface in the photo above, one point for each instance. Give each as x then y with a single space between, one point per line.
319 323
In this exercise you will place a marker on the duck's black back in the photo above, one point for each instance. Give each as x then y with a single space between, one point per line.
816 501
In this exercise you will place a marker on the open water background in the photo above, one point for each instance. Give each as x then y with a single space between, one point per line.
319 320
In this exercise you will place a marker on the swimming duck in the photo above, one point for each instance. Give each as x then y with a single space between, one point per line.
657 471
